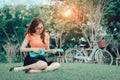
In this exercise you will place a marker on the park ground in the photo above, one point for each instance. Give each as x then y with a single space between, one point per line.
68 71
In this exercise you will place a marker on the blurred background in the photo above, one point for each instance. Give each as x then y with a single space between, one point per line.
69 23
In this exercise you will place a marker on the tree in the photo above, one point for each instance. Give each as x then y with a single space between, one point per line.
112 22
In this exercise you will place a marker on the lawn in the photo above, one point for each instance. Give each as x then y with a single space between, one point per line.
68 71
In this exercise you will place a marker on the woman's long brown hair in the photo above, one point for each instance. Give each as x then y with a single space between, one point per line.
31 28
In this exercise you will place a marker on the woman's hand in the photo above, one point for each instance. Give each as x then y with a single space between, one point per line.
54 51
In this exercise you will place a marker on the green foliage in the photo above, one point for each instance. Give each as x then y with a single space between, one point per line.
112 21
111 17
3 57
74 36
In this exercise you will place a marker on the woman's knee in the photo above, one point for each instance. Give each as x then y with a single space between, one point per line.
58 64
53 66
43 63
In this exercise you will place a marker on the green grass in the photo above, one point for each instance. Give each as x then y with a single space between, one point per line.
68 71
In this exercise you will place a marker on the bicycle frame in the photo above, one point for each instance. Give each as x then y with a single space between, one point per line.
97 55
85 57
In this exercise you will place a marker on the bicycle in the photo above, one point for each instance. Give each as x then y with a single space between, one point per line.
97 55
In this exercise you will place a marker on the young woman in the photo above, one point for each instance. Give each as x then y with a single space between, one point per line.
37 37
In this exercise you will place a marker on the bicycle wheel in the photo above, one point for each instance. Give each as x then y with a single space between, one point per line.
70 53
103 57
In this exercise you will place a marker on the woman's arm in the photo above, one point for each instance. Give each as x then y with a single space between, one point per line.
48 45
25 49
24 45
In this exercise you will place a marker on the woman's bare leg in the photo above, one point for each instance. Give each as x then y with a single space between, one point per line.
53 66
34 71
39 65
